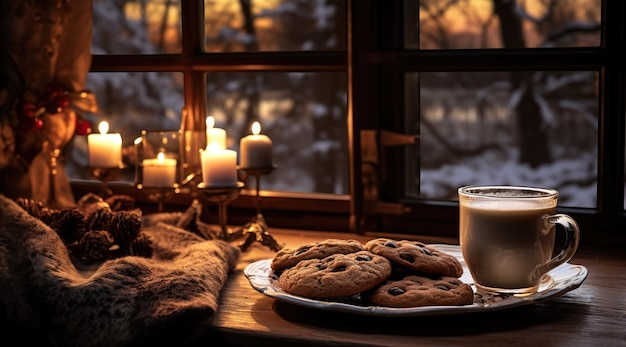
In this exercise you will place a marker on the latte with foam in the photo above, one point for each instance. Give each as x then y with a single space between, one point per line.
507 236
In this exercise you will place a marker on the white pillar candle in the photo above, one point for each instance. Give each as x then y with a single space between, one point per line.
256 149
219 167
105 150
214 135
159 172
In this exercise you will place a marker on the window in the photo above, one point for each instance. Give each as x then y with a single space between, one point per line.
499 92
157 64
380 110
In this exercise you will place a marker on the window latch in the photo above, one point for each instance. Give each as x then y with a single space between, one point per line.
372 144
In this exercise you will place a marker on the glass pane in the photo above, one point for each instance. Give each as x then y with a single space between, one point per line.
305 115
136 27
130 102
466 24
537 128
275 25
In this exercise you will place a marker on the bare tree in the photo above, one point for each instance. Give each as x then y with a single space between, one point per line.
559 23
534 149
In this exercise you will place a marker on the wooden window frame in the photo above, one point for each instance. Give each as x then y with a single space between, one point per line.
376 63
379 67
284 209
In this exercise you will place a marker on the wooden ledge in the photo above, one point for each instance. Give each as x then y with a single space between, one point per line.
587 316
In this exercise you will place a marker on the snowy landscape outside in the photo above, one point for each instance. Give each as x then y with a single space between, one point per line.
468 122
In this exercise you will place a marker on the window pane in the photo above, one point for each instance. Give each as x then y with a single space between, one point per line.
461 24
305 115
275 25
136 27
537 128
130 102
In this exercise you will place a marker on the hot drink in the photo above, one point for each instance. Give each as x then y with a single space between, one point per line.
507 236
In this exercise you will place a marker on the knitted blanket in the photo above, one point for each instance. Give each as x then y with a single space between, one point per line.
47 299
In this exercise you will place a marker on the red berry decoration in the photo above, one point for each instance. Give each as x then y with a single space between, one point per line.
28 110
57 103
83 127
31 123
54 100
63 100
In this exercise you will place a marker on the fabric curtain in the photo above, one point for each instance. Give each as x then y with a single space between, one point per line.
44 52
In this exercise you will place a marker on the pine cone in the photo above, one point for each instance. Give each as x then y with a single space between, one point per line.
68 223
89 198
100 219
120 202
95 245
33 207
125 227
141 246
91 203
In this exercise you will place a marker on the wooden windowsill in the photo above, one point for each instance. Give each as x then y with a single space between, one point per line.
587 316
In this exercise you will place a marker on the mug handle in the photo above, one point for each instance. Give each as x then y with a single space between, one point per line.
572 237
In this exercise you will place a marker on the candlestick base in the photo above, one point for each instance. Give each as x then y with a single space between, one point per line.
105 175
222 196
257 229
159 194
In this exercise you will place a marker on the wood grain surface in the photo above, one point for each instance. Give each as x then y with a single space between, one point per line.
592 315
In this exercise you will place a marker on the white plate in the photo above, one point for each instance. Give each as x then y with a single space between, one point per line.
558 281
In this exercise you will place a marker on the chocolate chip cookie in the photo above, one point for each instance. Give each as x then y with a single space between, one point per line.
416 256
288 257
337 275
415 291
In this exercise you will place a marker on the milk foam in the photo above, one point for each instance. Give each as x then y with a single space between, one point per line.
509 205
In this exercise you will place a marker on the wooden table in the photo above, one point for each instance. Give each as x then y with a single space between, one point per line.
592 315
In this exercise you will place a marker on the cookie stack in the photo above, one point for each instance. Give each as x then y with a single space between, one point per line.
382 272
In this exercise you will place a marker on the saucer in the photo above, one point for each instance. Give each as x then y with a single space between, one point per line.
557 282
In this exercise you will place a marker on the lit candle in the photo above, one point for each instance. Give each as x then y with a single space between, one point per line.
219 166
159 172
256 149
105 150
214 135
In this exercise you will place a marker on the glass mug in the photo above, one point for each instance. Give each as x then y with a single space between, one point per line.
507 236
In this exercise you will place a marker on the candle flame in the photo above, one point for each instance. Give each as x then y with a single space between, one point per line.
160 158
103 127
256 128
210 122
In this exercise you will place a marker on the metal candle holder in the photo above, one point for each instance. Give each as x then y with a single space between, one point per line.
257 229
106 175
222 196
257 173
159 194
